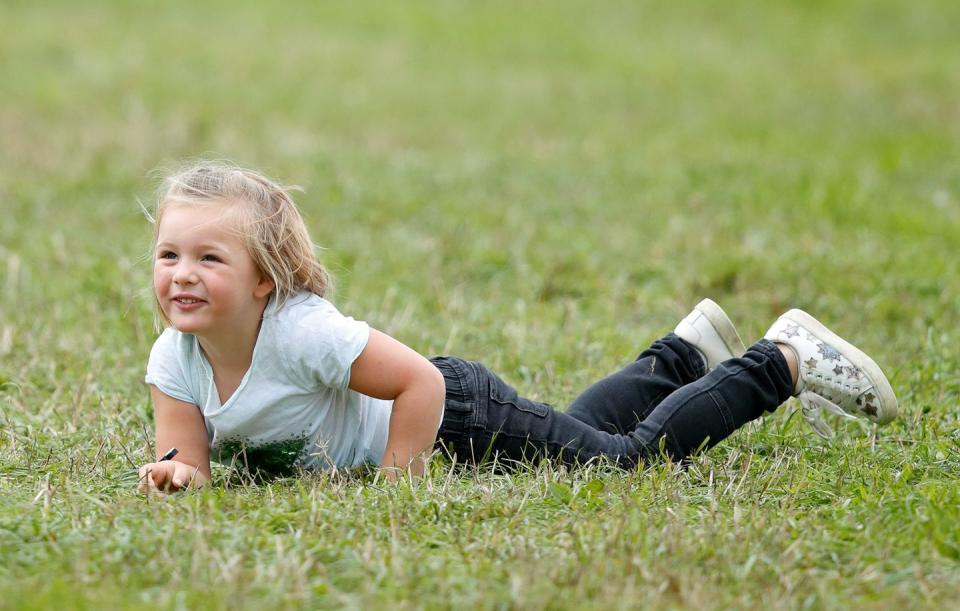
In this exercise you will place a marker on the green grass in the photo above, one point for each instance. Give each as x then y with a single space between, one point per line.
546 187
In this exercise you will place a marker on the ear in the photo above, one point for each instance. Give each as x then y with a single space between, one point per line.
264 287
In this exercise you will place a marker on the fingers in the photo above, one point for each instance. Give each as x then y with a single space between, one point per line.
166 476
161 476
147 484
181 476
154 478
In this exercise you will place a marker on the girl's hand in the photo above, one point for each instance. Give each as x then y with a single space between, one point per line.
179 425
169 476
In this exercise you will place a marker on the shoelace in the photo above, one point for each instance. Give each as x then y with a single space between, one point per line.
813 405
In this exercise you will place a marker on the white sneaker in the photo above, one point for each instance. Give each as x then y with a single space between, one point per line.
834 375
710 331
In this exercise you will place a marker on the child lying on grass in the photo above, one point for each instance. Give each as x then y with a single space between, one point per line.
256 364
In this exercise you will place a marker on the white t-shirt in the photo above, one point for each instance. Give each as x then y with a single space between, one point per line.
293 407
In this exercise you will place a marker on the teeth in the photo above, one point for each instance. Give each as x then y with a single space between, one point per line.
185 300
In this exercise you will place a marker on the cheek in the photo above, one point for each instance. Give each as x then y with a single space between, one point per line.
161 277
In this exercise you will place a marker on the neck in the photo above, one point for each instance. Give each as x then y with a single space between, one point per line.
232 350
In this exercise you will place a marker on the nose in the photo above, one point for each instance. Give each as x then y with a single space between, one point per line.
184 274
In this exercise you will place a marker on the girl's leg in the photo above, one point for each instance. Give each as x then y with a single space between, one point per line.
705 338
703 413
619 402
484 416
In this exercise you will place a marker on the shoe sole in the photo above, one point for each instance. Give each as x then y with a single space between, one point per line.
723 326
856 356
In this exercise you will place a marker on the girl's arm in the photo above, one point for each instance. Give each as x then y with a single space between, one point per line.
387 369
179 425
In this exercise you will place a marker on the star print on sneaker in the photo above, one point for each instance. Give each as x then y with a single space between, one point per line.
708 329
833 374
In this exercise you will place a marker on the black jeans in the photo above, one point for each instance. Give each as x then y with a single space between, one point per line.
662 403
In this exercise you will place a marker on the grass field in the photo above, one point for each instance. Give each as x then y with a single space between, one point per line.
546 187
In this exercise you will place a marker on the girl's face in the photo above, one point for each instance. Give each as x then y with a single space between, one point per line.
204 279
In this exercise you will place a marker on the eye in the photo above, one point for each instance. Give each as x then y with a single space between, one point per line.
167 254
213 258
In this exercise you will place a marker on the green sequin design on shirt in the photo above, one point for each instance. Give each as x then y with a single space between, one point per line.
271 458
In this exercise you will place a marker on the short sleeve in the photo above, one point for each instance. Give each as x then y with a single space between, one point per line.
320 343
166 369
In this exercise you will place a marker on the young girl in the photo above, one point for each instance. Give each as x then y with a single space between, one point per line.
256 366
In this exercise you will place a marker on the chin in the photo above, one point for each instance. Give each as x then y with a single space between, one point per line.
192 329
186 326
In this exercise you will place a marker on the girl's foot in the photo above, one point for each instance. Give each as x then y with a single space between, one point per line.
710 331
833 374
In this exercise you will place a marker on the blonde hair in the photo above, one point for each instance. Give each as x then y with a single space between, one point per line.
267 220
